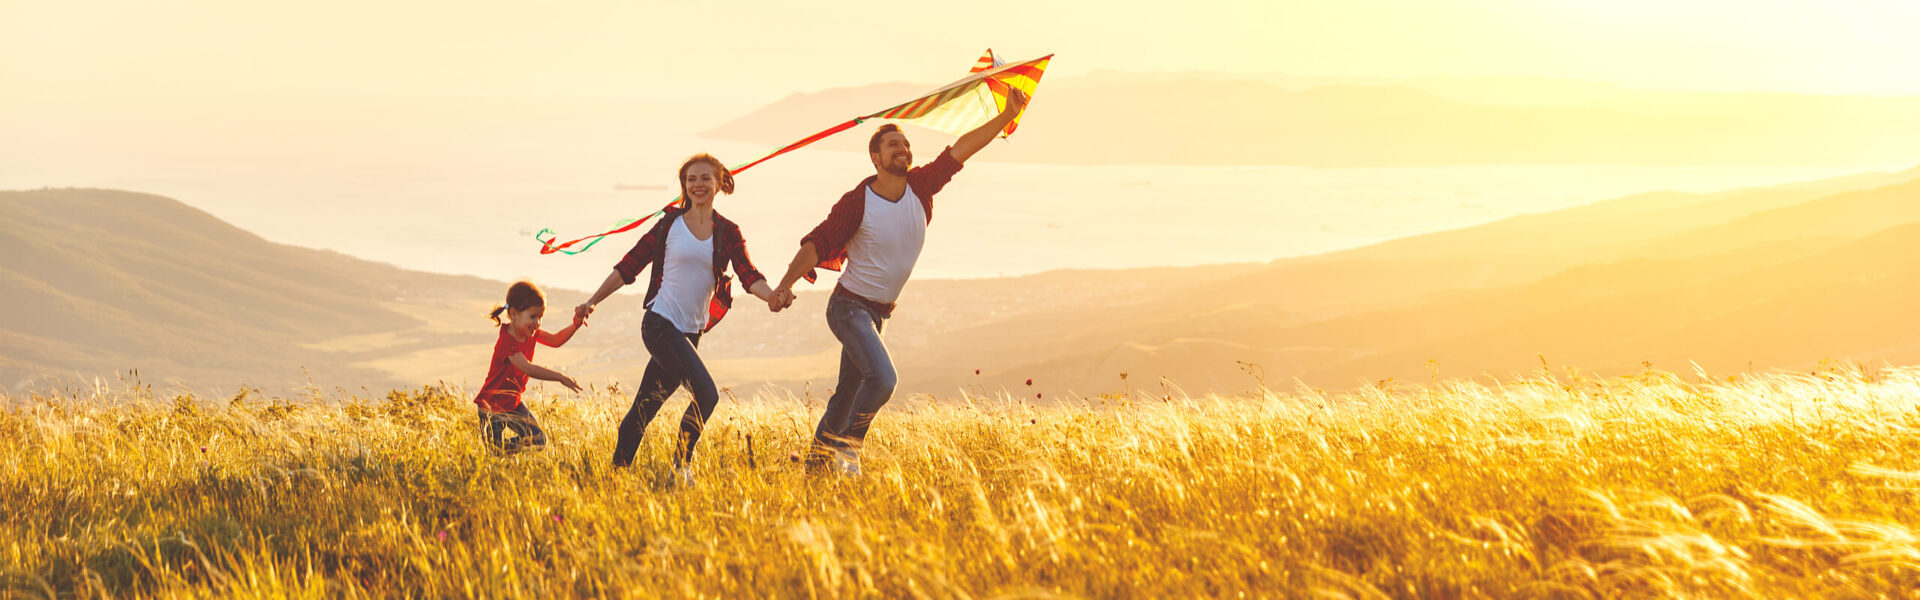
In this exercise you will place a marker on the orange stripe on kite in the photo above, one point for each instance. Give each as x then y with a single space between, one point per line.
986 62
910 110
921 108
1028 71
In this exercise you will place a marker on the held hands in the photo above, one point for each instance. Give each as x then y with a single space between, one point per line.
581 312
780 299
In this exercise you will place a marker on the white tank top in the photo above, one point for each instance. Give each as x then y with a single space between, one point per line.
686 279
881 255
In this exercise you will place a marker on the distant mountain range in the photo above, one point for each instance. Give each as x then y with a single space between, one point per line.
100 282
1214 119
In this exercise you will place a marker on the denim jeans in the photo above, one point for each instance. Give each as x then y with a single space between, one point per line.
866 382
675 362
526 429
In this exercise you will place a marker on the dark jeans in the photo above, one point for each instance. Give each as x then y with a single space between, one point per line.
866 382
526 429
674 363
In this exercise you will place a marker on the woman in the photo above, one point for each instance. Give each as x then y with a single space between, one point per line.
687 295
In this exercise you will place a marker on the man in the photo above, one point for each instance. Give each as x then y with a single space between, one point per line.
875 232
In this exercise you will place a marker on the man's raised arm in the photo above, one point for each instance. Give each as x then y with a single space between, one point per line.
973 141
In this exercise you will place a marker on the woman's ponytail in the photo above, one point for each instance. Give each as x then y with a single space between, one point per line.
725 174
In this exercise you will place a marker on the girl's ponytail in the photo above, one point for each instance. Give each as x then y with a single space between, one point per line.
521 296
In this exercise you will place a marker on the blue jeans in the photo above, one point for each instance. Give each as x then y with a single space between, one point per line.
675 362
526 429
866 382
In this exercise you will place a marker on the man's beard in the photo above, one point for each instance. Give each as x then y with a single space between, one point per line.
905 162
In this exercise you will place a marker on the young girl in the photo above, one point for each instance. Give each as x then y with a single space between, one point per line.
512 364
687 295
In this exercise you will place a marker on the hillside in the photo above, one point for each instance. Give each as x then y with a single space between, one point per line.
101 281
1776 277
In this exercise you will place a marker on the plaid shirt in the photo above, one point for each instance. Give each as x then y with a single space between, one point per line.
728 247
830 237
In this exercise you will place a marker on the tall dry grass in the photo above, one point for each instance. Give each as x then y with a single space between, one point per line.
1560 486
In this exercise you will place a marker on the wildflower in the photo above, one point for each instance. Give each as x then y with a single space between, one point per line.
1029 382
442 535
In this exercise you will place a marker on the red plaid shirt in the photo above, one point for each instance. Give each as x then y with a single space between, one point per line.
830 237
728 247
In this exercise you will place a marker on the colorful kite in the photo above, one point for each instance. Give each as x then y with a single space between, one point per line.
953 109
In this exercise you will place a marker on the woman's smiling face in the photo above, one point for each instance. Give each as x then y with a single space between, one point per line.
700 183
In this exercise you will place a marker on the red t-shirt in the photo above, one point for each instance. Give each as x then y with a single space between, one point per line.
505 381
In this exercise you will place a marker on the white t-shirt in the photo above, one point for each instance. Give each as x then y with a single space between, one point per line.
686 279
881 255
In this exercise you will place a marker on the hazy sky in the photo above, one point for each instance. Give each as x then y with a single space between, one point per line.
754 51
367 127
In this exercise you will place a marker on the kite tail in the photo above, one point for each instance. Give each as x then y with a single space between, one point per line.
548 247
808 140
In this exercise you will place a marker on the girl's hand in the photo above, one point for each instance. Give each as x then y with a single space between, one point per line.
567 380
581 312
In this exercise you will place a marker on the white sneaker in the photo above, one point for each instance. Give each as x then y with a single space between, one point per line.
848 462
683 476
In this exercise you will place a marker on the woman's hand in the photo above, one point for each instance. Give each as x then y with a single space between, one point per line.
779 299
775 299
581 312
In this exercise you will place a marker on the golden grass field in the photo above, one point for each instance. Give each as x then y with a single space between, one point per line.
1558 485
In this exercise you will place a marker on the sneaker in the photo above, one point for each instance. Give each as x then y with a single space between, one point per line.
683 476
847 462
